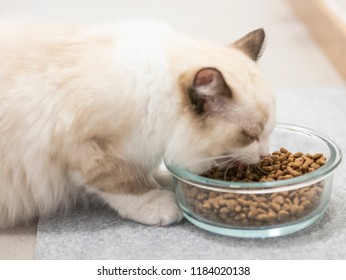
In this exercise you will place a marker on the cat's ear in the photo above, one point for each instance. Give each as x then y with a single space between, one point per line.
208 84
251 44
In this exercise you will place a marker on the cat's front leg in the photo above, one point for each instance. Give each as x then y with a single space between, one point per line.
130 190
155 207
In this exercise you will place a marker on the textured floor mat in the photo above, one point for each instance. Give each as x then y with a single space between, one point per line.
98 233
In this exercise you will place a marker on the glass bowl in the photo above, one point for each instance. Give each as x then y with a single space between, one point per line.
260 209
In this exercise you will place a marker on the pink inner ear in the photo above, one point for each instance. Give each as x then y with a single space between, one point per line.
205 77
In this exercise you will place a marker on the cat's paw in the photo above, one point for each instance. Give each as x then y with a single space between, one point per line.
156 207
160 209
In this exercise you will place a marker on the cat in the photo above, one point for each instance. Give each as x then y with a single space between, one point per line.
96 108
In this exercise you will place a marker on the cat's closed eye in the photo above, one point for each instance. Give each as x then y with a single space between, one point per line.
248 138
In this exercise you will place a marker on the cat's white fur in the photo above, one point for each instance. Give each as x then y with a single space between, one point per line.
96 109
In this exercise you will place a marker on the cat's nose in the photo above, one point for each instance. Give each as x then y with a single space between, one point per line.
264 156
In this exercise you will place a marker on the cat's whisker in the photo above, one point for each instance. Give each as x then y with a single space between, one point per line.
258 167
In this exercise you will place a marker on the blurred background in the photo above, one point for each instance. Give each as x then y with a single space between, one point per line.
292 56
305 46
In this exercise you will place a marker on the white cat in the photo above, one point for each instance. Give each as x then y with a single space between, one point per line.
97 108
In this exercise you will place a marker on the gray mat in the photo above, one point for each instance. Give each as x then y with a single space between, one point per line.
98 233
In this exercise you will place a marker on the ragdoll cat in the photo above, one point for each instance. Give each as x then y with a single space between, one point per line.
96 109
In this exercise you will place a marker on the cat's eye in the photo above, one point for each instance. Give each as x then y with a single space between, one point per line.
248 138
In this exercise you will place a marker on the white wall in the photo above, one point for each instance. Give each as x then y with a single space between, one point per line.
291 58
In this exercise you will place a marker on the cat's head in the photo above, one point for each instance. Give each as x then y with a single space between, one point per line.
225 105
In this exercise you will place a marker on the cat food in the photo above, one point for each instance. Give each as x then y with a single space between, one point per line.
259 209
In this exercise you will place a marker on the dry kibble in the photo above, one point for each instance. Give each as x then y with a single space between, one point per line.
231 204
224 210
251 215
321 161
306 204
286 207
300 210
275 206
293 172
283 216
244 202
215 203
294 209
279 200
260 199
260 209
298 154
262 217
310 195
201 196
263 205
212 194
207 205
272 215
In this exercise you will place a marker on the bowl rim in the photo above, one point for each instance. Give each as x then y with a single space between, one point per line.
327 169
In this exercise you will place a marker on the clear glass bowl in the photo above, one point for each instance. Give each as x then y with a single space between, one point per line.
232 208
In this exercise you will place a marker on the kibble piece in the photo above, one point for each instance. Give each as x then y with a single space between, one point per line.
260 199
278 174
294 209
318 189
306 163
201 196
207 205
222 202
244 202
293 172
262 217
300 210
315 156
283 216
252 214
284 194
212 194
275 206
306 204
240 216
228 196
286 207
298 162
271 215
310 195
279 200
298 154
215 203
231 204
282 158
224 210
263 205
302 191
321 161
